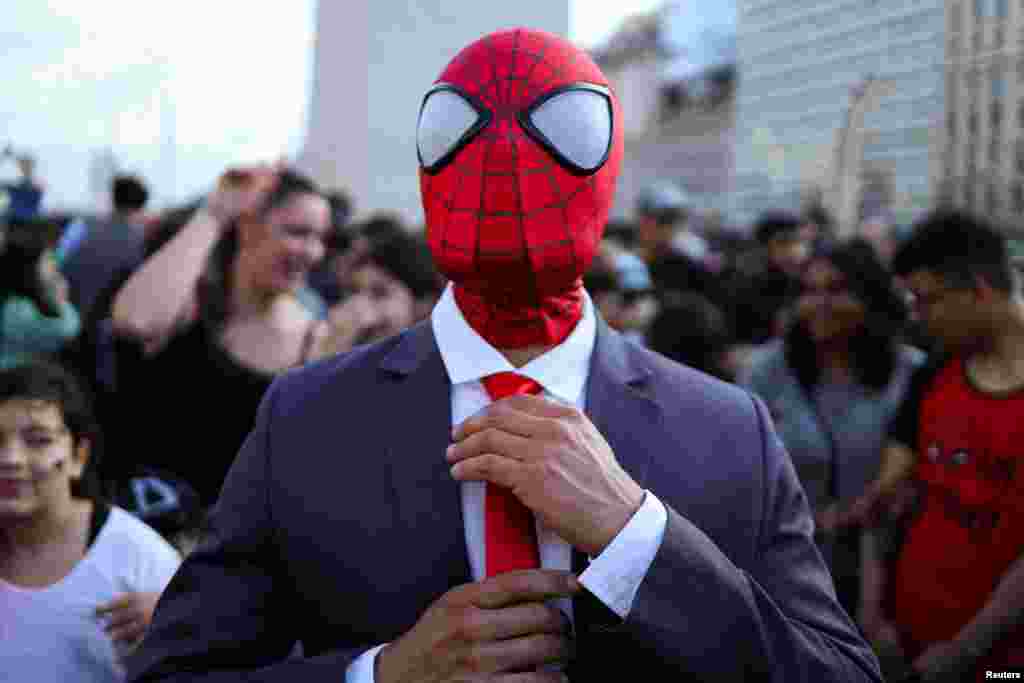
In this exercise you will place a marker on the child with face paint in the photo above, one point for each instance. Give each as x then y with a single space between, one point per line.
79 579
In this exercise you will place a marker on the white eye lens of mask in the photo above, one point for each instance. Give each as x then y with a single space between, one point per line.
445 119
577 124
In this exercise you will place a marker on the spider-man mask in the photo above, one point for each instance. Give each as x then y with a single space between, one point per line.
520 143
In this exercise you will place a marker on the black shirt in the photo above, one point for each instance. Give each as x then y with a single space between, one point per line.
185 410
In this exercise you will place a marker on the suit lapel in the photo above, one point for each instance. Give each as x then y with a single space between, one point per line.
428 499
619 404
618 401
427 496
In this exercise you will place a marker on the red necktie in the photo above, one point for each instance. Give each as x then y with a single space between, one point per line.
510 536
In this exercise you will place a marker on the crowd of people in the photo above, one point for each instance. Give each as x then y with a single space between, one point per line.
135 351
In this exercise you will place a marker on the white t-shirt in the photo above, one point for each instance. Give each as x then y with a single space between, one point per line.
51 635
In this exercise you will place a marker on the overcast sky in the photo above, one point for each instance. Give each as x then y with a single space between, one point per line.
143 78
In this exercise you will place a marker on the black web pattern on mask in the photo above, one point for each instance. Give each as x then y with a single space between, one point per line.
496 94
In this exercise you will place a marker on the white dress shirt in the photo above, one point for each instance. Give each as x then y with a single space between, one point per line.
615 575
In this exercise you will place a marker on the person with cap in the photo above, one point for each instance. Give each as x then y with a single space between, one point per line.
621 287
639 299
509 491
675 255
663 212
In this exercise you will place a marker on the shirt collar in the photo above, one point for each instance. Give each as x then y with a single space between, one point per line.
468 357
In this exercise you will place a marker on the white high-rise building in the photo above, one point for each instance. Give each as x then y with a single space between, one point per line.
802 64
374 62
984 134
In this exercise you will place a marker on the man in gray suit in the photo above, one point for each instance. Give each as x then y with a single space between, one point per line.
509 491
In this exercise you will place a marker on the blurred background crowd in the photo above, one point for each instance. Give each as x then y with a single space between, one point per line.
150 330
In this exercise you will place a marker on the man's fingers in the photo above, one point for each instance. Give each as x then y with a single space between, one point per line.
491 440
496 469
533 618
524 654
530 585
505 416
533 677
128 633
118 603
539 406
523 414
121 617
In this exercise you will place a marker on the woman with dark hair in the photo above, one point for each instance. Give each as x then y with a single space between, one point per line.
79 578
36 316
393 285
211 318
832 384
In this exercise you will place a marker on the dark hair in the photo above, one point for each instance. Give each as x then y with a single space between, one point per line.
600 281
408 259
958 247
215 287
339 237
819 215
167 226
693 331
622 231
341 207
381 226
19 261
39 380
875 349
289 183
129 193
26 241
773 224
677 272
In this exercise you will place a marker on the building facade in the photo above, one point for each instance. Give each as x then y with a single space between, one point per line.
373 63
678 123
983 153
804 121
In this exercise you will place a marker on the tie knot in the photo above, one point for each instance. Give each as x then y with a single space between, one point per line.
502 384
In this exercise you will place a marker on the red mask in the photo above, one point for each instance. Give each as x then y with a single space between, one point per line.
520 144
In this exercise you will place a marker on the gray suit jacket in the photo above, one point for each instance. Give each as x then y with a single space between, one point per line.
111 250
339 524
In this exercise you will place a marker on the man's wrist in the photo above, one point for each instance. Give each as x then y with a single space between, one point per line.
618 521
615 575
382 672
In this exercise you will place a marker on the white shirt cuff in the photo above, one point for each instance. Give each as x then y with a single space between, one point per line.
361 668
614 576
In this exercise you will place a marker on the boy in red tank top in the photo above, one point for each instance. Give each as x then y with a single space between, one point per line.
953 595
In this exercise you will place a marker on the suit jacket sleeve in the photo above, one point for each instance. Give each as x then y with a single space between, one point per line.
779 615
226 616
